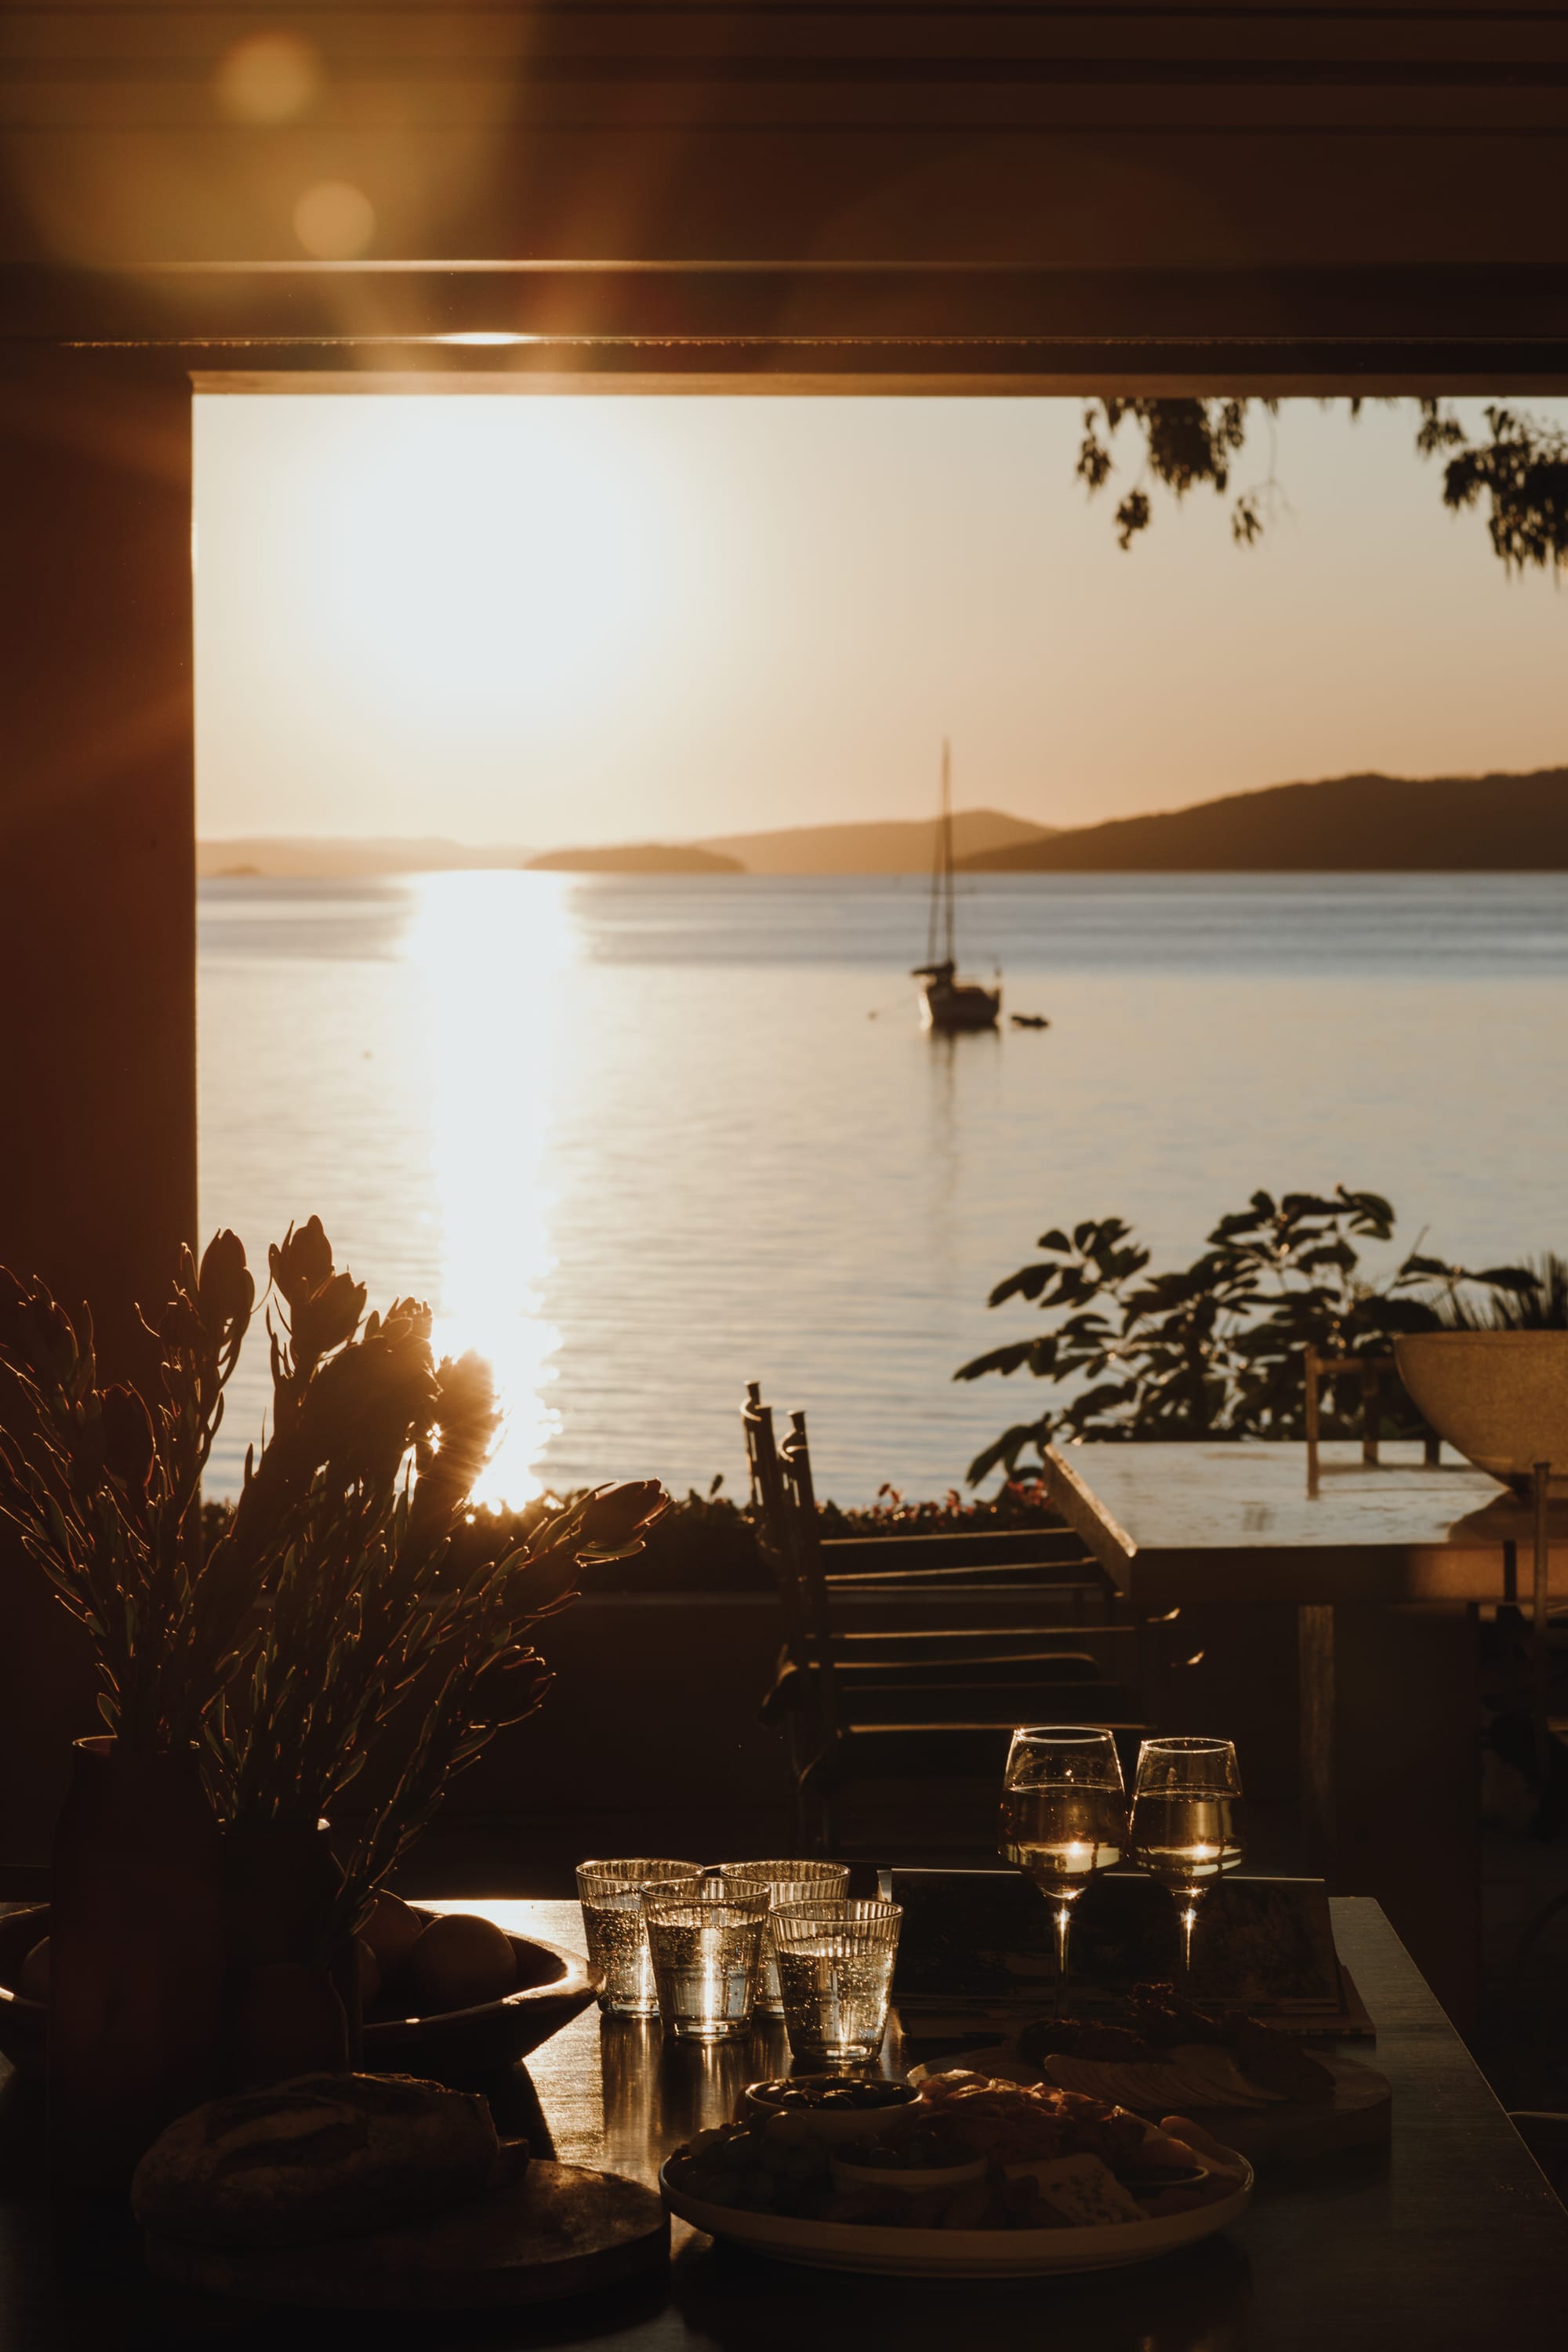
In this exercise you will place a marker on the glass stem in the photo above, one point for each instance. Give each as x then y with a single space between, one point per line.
1064 1935
1189 1902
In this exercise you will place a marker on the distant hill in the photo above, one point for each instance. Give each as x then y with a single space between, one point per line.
890 848
289 856
636 857
1349 824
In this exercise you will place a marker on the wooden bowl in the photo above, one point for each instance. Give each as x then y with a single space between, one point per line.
553 1987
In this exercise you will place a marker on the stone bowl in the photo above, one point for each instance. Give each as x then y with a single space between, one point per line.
1499 1398
553 1987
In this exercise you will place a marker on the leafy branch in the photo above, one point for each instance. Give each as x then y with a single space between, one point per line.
1519 470
1214 1349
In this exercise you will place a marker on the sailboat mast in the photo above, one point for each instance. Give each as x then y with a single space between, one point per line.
932 918
949 952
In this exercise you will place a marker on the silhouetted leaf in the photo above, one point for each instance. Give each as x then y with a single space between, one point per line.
1508 1277
1214 1349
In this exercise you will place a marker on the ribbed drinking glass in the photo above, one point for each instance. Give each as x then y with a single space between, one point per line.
786 1882
705 1942
611 1896
836 1972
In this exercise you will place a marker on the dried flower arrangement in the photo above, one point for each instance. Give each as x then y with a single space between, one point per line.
267 1653
105 1488
327 1605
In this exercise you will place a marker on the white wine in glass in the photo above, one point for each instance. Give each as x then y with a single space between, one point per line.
1186 1828
1064 1816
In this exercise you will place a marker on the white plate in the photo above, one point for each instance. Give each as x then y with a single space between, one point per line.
952 2253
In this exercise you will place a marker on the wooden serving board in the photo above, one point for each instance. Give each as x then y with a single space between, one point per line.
560 2231
1359 2114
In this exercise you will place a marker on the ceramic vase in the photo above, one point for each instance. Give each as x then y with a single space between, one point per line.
135 1957
291 1991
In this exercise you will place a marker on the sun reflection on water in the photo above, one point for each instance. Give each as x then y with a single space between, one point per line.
491 950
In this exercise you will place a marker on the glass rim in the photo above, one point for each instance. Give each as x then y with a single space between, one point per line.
1089 1735
852 1910
1187 1744
633 1869
799 1872
709 1896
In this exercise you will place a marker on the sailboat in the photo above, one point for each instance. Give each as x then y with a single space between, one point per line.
948 1002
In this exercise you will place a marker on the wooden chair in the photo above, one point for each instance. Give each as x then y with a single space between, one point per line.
914 1657
1372 1371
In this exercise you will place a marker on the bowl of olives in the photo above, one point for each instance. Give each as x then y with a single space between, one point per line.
827 2107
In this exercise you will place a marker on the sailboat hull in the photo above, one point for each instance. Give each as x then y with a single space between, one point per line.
950 1005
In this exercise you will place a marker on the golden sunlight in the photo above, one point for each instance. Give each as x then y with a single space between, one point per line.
459 569
491 951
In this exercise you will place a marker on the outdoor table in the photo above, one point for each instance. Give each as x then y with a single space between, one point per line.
1448 2238
1385 1564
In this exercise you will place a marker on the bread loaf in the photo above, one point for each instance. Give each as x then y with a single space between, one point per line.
325 2156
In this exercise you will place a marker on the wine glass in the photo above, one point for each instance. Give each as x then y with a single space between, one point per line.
1064 1815
1186 1820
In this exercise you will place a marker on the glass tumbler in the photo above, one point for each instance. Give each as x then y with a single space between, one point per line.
705 1942
611 1896
786 1882
836 1971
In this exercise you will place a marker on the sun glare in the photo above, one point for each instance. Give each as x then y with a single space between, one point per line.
491 950
507 566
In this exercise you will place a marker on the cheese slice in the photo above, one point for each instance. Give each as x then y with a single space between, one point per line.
1081 2189
1215 2080
1120 2083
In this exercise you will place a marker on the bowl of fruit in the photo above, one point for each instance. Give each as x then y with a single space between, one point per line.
446 1995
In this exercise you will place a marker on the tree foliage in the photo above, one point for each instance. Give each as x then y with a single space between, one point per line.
1517 470
1214 1349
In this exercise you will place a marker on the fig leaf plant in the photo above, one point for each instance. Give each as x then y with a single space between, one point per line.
1215 1349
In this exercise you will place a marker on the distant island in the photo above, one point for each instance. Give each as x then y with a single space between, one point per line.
890 847
1348 824
330 858
1345 824
636 857
894 847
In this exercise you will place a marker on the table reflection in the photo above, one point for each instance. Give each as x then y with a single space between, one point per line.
658 2092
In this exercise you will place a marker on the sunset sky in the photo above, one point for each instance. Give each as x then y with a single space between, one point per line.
542 620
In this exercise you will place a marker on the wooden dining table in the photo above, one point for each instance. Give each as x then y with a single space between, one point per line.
1448 2239
1385 1567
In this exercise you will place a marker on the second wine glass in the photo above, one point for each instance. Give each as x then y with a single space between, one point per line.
1064 1815
1186 1820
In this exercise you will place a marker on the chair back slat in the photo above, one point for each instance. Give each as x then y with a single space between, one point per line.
794 1460
998 1548
772 1504
1371 1372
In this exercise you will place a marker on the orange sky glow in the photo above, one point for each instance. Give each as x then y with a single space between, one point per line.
547 620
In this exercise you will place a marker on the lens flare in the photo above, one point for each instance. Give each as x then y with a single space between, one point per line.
270 78
333 221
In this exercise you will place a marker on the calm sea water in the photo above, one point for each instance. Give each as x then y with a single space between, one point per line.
643 1139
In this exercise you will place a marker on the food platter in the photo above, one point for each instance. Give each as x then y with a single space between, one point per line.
952 2253
1359 2114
